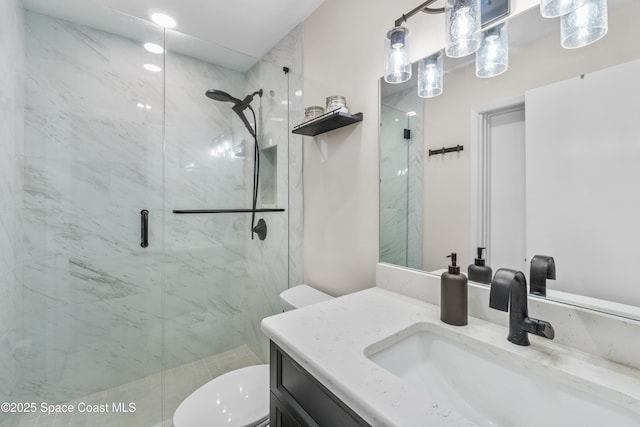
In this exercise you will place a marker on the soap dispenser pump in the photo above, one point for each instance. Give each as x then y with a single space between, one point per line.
478 271
453 295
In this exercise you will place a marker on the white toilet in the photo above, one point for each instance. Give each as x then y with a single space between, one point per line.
240 398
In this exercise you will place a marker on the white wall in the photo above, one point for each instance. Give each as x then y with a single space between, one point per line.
343 55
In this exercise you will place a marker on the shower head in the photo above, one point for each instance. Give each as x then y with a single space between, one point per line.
239 105
218 95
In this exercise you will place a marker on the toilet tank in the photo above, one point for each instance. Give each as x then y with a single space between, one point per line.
301 295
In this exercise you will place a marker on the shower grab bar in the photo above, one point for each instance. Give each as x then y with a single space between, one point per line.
215 211
144 226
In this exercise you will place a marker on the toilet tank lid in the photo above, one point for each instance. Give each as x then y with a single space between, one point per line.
302 295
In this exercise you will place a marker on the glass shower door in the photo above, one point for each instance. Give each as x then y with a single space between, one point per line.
91 330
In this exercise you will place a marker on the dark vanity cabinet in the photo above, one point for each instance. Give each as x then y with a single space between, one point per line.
299 400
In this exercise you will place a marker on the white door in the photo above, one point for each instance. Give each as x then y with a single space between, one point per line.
506 189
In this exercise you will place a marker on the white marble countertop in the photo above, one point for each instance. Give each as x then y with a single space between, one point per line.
329 340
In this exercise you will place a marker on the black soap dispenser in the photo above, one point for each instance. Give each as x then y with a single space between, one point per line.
453 295
478 271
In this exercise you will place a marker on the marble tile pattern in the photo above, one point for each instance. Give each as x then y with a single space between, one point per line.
98 308
12 66
288 53
271 260
205 271
407 101
92 161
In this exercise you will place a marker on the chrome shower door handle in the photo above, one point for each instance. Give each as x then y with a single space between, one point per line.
144 226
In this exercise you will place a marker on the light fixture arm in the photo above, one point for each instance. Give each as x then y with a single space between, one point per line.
424 7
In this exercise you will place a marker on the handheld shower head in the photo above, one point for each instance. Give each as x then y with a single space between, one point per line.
218 95
239 107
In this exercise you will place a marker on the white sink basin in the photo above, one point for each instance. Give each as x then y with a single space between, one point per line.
490 385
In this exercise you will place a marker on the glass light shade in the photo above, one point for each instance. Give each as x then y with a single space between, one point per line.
492 58
585 25
463 22
555 8
430 75
397 67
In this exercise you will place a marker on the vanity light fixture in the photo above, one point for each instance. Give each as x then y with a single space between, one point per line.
430 75
556 8
397 65
492 59
585 25
463 20
462 23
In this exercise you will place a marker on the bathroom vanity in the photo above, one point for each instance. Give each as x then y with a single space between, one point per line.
381 358
297 398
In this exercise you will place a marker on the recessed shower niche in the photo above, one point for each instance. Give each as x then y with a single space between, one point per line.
268 176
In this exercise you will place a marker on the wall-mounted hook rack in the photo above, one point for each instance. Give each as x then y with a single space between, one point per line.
443 150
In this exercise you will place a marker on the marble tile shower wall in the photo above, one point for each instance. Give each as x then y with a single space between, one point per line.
93 299
288 52
268 261
93 160
12 52
207 162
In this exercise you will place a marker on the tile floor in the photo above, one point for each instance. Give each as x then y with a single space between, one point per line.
146 395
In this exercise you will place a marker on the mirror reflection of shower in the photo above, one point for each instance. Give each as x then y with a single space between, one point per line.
239 107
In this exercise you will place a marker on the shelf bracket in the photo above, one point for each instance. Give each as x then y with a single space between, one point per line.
323 146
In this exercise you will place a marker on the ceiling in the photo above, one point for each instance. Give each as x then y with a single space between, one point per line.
231 33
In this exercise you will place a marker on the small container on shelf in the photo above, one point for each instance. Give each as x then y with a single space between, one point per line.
312 112
337 103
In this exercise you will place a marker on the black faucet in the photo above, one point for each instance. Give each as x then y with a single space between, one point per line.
509 288
542 268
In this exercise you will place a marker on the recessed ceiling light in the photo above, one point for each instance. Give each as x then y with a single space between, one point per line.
152 67
163 20
154 48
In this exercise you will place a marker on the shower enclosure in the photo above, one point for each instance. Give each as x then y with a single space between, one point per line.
91 317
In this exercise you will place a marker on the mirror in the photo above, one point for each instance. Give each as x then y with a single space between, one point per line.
401 178
566 190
